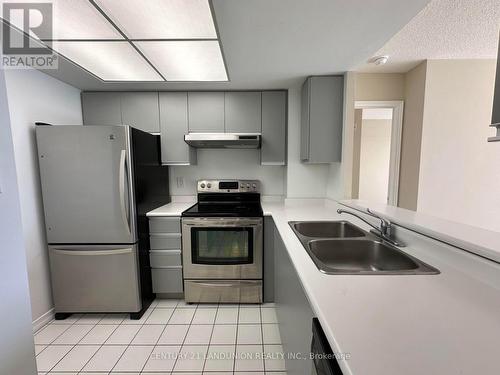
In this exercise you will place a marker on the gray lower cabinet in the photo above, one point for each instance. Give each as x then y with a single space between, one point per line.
243 112
167 280
206 112
140 110
293 310
101 108
173 127
274 120
165 254
322 119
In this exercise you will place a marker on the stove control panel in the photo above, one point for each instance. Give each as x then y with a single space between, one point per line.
228 186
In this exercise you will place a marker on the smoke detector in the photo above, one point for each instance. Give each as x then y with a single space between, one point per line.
378 60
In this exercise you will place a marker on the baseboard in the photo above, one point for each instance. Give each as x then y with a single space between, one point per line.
43 320
170 295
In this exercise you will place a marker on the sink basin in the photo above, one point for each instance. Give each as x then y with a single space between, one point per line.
327 229
363 257
339 247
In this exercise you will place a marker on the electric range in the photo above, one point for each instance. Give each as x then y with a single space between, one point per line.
222 243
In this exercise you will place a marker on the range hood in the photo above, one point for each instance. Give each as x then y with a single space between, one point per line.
223 140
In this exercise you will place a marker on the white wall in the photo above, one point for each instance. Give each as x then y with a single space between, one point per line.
411 137
34 96
303 180
459 170
375 156
16 339
227 163
340 182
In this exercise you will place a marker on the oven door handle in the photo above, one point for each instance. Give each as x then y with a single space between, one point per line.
223 225
226 223
225 284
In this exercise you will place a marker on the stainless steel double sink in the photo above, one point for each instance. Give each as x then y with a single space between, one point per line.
339 247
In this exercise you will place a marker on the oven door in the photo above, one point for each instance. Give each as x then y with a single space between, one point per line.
222 248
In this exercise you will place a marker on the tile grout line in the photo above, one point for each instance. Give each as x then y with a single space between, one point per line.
262 338
197 308
43 329
141 325
72 345
100 346
184 339
163 330
210 339
236 340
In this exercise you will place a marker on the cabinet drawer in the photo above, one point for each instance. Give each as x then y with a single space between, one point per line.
165 258
170 241
225 291
167 280
165 225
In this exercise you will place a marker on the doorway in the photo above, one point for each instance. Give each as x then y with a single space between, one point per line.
377 150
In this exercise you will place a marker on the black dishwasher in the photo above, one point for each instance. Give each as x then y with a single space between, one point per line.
323 357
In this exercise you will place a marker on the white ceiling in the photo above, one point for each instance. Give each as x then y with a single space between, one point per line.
444 29
277 43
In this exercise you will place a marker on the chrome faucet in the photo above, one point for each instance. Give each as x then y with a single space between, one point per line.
384 231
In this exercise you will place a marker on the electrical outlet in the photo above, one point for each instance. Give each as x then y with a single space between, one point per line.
180 182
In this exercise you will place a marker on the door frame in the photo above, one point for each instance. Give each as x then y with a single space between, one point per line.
396 135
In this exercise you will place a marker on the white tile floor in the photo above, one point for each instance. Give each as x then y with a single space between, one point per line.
171 338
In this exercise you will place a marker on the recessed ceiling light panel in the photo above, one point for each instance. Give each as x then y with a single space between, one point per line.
110 61
72 19
161 19
186 60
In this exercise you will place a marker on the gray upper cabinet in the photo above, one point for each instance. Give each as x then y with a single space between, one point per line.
137 109
243 112
321 119
175 114
206 112
101 108
140 110
274 116
174 125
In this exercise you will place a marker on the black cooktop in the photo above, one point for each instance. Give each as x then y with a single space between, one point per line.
226 205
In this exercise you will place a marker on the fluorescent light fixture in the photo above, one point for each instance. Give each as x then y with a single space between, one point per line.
72 19
186 60
110 61
161 19
79 19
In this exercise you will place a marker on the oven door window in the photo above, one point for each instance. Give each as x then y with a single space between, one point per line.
222 245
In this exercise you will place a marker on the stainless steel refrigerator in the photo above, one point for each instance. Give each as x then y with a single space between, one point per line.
98 183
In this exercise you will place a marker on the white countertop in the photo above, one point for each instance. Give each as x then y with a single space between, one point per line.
393 325
477 240
170 209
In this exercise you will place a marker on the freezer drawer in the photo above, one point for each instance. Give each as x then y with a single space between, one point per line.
223 291
95 278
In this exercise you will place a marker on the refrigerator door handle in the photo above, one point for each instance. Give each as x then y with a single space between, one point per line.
123 171
89 252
